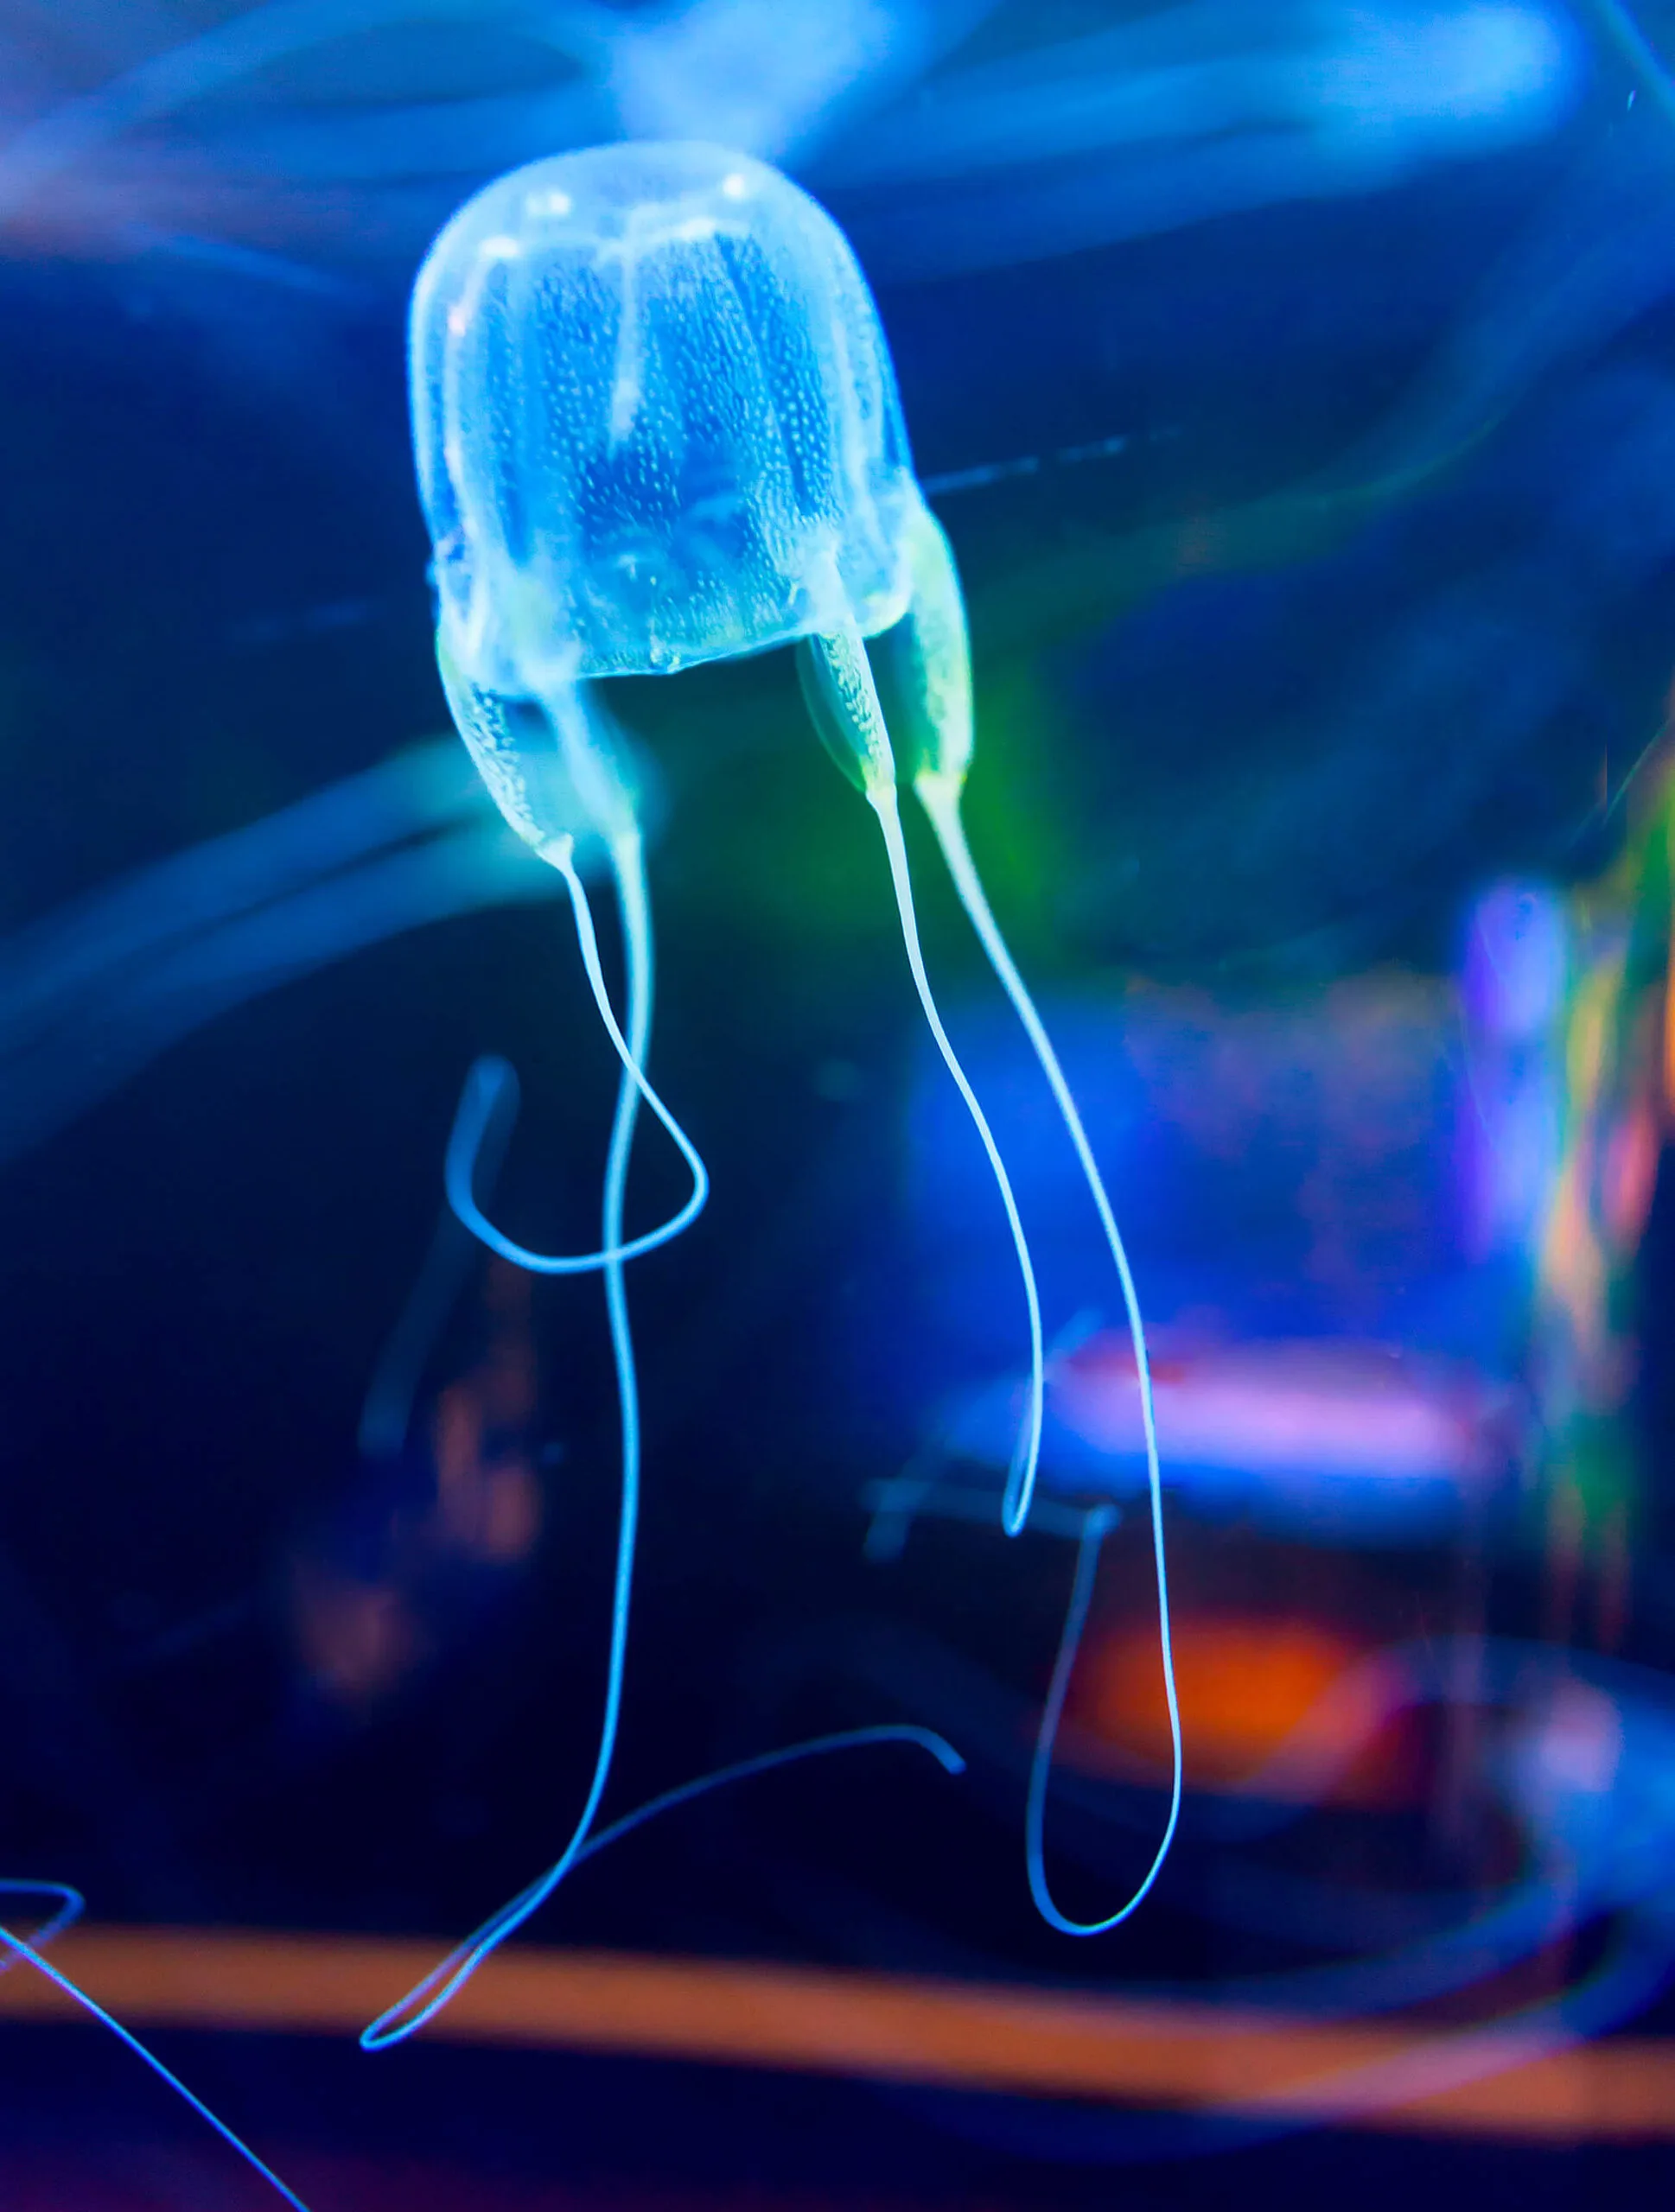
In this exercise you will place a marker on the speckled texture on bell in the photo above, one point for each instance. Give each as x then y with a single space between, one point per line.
655 419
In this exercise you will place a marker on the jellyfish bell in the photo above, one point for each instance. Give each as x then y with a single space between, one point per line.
656 424
655 420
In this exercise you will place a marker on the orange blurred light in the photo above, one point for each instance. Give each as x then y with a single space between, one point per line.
1247 1686
972 2035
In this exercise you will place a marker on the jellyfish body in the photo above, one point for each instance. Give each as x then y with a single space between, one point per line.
656 424
695 445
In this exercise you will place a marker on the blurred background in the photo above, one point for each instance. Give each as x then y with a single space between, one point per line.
1296 381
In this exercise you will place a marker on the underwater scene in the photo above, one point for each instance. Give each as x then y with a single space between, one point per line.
836 1104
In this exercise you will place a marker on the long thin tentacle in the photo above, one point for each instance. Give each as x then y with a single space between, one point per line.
939 794
30 1954
481 1100
445 1980
1020 1478
423 2003
838 687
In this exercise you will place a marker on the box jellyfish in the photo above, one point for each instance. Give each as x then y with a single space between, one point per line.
656 424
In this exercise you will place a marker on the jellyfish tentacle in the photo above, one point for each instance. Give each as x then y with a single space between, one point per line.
25 1952
437 1989
1098 1525
634 910
578 785
838 683
939 797
481 1100
1025 1458
933 663
424 2002
71 1906
446 1979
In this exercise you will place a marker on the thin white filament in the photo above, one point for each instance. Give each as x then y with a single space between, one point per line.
1025 1458
424 2002
476 1112
939 797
